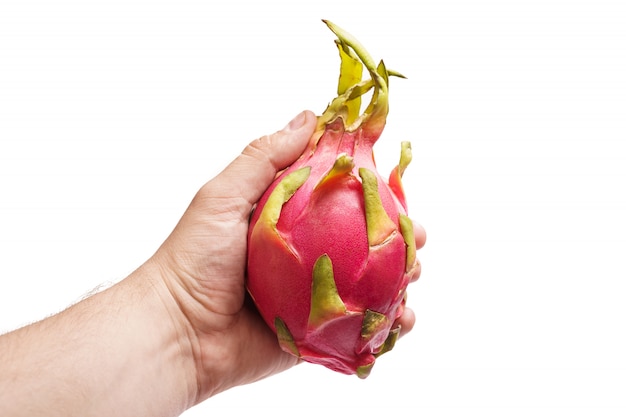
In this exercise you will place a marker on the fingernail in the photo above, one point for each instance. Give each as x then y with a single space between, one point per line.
296 123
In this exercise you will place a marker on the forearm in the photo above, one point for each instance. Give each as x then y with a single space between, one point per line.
117 353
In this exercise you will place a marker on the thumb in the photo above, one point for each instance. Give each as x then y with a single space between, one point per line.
249 175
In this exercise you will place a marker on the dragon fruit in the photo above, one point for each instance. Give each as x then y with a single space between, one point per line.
330 247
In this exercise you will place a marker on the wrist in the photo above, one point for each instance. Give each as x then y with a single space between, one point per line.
175 334
184 313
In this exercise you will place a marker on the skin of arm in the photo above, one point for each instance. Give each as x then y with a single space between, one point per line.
118 353
176 331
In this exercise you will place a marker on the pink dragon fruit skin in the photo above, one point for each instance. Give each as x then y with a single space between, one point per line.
330 246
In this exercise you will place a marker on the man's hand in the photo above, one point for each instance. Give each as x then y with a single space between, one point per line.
177 330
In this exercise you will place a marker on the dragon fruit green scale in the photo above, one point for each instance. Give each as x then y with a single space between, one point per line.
330 246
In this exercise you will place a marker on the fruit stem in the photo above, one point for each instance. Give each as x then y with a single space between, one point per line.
375 114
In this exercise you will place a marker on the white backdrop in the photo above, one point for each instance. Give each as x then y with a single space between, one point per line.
113 114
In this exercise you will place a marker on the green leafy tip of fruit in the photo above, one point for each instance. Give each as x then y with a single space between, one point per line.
351 87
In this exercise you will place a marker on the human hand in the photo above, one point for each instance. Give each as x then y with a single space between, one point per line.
178 329
203 266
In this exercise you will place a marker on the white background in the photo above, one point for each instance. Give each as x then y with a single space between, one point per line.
113 114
